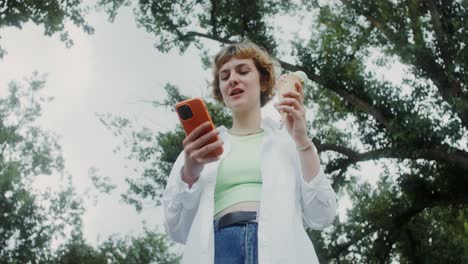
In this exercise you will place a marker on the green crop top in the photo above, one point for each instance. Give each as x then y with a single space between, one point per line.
239 176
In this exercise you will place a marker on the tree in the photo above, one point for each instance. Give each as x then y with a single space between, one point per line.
32 220
53 15
150 247
414 128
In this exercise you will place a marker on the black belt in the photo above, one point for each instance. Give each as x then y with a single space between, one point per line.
237 218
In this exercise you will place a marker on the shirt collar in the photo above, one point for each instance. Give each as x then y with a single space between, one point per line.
268 124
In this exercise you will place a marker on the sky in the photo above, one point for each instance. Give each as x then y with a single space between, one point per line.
118 71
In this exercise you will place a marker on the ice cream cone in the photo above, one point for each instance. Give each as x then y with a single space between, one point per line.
286 83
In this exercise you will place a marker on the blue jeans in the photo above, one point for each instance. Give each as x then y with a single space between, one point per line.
236 244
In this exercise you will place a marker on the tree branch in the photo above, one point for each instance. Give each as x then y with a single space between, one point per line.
339 249
453 89
360 103
447 154
363 105
444 153
352 154
398 221
208 36
214 24
439 153
379 114
449 88
292 67
415 257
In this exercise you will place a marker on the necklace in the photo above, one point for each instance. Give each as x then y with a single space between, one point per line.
246 134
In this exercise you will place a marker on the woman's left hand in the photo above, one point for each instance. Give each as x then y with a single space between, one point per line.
296 124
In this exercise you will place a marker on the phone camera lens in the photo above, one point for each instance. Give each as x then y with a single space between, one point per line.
185 112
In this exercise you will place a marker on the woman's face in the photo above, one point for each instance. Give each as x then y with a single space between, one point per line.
239 81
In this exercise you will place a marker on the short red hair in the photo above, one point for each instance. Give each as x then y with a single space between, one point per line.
263 61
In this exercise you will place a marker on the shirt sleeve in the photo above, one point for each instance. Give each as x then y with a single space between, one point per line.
319 201
180 203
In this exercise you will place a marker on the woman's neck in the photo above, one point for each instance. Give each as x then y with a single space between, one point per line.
246 122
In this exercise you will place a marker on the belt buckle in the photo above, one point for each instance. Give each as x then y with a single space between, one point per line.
250 221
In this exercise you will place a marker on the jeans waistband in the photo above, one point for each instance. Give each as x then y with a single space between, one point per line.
235 218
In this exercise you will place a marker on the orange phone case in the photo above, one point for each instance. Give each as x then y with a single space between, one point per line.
199 116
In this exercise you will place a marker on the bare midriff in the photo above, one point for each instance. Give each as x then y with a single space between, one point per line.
243 206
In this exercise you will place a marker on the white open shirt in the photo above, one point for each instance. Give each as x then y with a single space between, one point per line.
288 203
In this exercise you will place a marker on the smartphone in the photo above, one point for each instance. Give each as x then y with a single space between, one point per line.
192 113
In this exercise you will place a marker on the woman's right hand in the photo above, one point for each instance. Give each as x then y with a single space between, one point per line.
197 152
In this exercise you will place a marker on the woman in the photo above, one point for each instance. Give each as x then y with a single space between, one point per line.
251 204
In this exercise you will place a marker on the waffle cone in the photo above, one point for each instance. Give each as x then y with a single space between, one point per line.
285 84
